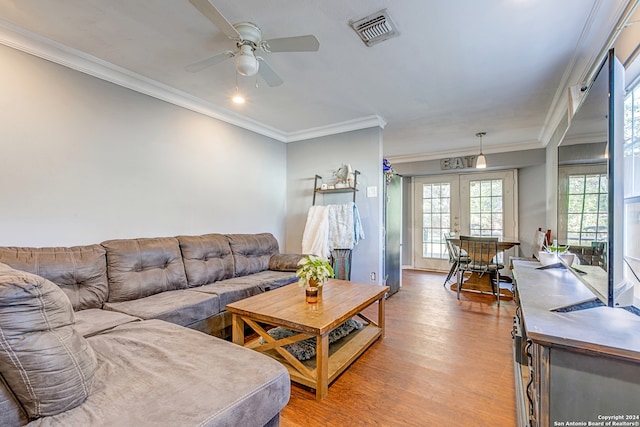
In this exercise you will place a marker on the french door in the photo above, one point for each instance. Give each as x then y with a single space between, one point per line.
436 207
478 204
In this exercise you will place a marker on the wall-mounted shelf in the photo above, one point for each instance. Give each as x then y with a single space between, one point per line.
317 184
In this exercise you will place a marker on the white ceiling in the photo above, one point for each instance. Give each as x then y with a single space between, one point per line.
458 66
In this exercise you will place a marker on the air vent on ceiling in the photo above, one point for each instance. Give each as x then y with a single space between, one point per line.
375 28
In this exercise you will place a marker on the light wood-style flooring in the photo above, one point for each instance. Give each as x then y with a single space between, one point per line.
443 362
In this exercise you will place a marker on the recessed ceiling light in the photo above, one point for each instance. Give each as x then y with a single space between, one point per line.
238 99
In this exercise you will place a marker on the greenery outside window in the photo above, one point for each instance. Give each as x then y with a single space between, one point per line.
486 212
583 196
632 184
436 202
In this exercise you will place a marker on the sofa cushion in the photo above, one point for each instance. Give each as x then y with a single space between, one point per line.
94 321
153 373
11 413
231 290
206 258
47 364
180 307
274 279
80 271
252 252
138 268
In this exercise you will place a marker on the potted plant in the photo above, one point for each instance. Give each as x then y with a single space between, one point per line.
313 271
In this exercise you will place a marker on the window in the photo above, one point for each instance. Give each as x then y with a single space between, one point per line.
485 207
632 143
586 209
632 184
436 219
583 204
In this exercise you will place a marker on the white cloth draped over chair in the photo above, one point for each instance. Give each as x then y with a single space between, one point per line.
331 227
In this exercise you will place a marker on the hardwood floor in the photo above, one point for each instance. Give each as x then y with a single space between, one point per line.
443 362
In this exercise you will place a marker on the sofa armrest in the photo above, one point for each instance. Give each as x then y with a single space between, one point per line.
284 262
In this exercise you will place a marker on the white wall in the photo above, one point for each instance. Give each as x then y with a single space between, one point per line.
363 150
83 160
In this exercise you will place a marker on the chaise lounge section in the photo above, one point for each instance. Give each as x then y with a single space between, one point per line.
141 305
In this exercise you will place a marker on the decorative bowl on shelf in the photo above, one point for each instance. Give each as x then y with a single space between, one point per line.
547 258
341 185
567 258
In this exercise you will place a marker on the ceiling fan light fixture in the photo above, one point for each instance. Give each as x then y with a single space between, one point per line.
247 37
481 161
246 62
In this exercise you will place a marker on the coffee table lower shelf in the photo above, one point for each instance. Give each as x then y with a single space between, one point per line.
342 353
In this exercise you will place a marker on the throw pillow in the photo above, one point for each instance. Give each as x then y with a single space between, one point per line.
284 262
306 349
47 364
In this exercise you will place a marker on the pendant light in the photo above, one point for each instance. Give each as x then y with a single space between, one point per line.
481 162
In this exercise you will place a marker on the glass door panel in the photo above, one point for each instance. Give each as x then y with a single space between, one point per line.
436 211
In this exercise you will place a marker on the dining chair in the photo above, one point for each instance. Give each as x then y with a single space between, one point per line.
481 259
454 255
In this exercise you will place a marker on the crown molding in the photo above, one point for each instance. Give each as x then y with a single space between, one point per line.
42 47
585 138
502 148
346 126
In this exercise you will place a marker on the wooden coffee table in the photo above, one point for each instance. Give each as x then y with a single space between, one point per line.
286 307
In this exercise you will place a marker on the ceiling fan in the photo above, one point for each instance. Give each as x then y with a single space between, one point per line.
248 38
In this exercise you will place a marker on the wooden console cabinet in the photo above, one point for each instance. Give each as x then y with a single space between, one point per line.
578 368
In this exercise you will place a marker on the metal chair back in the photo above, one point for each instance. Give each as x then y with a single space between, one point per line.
481 259
481 253
452 248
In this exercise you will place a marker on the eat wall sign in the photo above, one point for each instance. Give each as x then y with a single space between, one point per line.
458 162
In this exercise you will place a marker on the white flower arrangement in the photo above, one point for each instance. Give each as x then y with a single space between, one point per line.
313 269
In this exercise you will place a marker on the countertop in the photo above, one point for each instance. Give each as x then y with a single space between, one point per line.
612 331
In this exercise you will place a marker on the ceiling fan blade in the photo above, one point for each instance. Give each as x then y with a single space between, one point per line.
201 65
213 14
267 73
306 43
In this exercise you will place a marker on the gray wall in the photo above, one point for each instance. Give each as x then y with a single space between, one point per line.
495 161
84 160
531 205
551 172
363 150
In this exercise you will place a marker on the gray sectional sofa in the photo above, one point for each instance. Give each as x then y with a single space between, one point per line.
124 322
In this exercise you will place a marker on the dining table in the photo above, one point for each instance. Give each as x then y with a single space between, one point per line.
476 282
